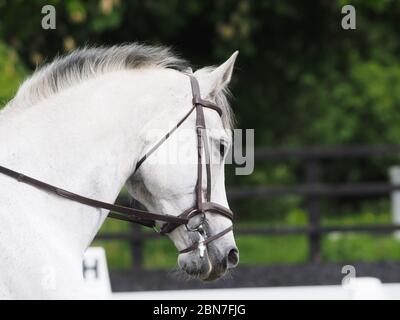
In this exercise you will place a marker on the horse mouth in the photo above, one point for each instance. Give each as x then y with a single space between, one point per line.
218 263
206 268
212 276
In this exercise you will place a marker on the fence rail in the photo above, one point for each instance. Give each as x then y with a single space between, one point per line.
313 190
372 228
308 153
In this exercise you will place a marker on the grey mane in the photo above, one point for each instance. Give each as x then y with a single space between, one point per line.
90 62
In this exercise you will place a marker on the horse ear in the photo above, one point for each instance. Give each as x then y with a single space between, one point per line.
221 76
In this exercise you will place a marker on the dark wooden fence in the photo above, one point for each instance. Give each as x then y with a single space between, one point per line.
313 190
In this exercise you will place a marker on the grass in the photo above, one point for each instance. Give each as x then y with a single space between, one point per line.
276 249
360 247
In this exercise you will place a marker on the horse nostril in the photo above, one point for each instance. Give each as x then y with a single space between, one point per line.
233 258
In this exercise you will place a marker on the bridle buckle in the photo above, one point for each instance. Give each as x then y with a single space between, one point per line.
196 226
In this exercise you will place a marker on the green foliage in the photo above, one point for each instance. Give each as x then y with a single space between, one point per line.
12 72
376 6
358 107
360 247
267 250
300 80
118 253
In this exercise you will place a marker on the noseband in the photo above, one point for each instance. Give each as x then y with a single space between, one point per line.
203 202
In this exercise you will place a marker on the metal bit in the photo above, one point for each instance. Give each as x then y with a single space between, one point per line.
202 247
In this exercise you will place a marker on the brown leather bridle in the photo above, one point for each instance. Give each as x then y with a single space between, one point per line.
149 219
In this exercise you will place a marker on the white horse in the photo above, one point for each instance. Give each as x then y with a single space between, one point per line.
81 123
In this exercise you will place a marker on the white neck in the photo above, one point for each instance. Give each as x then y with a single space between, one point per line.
86 139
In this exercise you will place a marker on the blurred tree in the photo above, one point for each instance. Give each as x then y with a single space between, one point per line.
301 79
12 72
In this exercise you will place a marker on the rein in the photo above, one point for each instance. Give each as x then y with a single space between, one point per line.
149 219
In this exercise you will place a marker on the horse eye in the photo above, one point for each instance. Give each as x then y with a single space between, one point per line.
222 149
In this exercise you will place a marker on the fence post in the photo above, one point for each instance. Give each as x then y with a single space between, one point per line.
136 244
394 174
313 207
